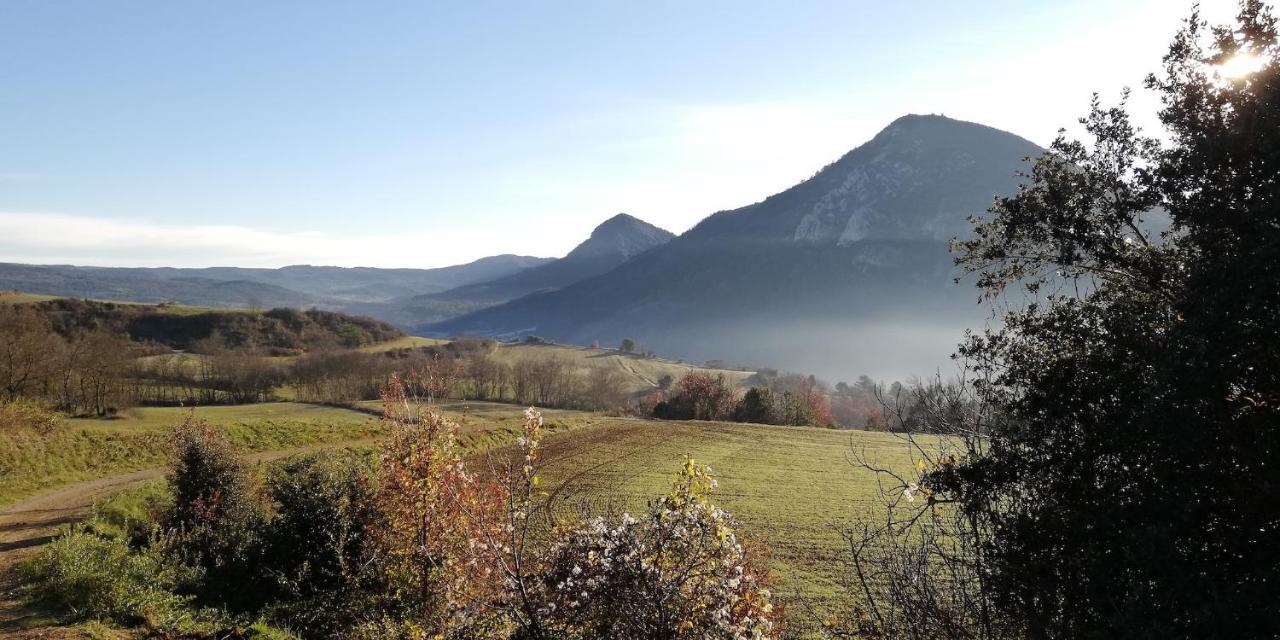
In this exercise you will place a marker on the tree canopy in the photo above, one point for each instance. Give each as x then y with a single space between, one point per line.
1130 477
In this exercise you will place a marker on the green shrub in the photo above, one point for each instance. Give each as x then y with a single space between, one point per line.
89 577
217 516
130 515
317 553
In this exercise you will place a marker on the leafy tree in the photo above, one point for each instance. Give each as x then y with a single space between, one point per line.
628 345
698 396
757 405
1128 485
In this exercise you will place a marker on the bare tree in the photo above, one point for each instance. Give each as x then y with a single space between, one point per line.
915 569
27 344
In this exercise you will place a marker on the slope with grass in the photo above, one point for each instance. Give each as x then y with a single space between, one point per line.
789 486
83 449
640 373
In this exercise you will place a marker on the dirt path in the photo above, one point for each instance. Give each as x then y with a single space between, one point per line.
28 524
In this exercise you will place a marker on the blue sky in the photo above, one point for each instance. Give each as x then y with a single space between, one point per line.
423 134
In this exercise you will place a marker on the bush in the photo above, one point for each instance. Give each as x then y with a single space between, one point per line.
217 514
318 554
678 573
95 578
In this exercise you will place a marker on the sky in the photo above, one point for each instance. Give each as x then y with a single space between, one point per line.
422 134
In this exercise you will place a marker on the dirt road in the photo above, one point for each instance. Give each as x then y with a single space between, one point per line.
30 523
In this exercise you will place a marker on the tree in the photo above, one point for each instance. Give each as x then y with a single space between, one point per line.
217 514
1128 485
26 343
628 345
698 396
603 387
103 364
757 405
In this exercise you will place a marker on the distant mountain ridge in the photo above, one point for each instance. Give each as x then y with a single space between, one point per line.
847 261
291 286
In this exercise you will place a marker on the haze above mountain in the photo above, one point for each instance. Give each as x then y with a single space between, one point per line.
845 273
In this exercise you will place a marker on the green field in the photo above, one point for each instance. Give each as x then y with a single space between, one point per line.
482 425
83 449
87 448
787 485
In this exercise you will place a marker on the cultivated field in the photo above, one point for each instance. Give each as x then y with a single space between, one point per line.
787 485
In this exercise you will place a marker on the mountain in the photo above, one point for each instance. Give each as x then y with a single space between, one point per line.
146 285
292 286
362 284
612 243
845 273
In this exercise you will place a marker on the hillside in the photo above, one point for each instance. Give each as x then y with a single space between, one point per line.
640 374
292 286
843 274
274 332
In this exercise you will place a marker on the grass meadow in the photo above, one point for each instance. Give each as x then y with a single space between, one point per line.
788 486
84 449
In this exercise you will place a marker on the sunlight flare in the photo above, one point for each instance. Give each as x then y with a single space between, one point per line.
1241 66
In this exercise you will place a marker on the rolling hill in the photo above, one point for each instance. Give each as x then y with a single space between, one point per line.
845 273
292 286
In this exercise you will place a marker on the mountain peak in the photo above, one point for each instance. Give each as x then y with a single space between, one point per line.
933 130
919 178
624 235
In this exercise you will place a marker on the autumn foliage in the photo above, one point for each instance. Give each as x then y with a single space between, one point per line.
478 555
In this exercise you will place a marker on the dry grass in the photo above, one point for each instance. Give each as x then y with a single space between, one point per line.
642 374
